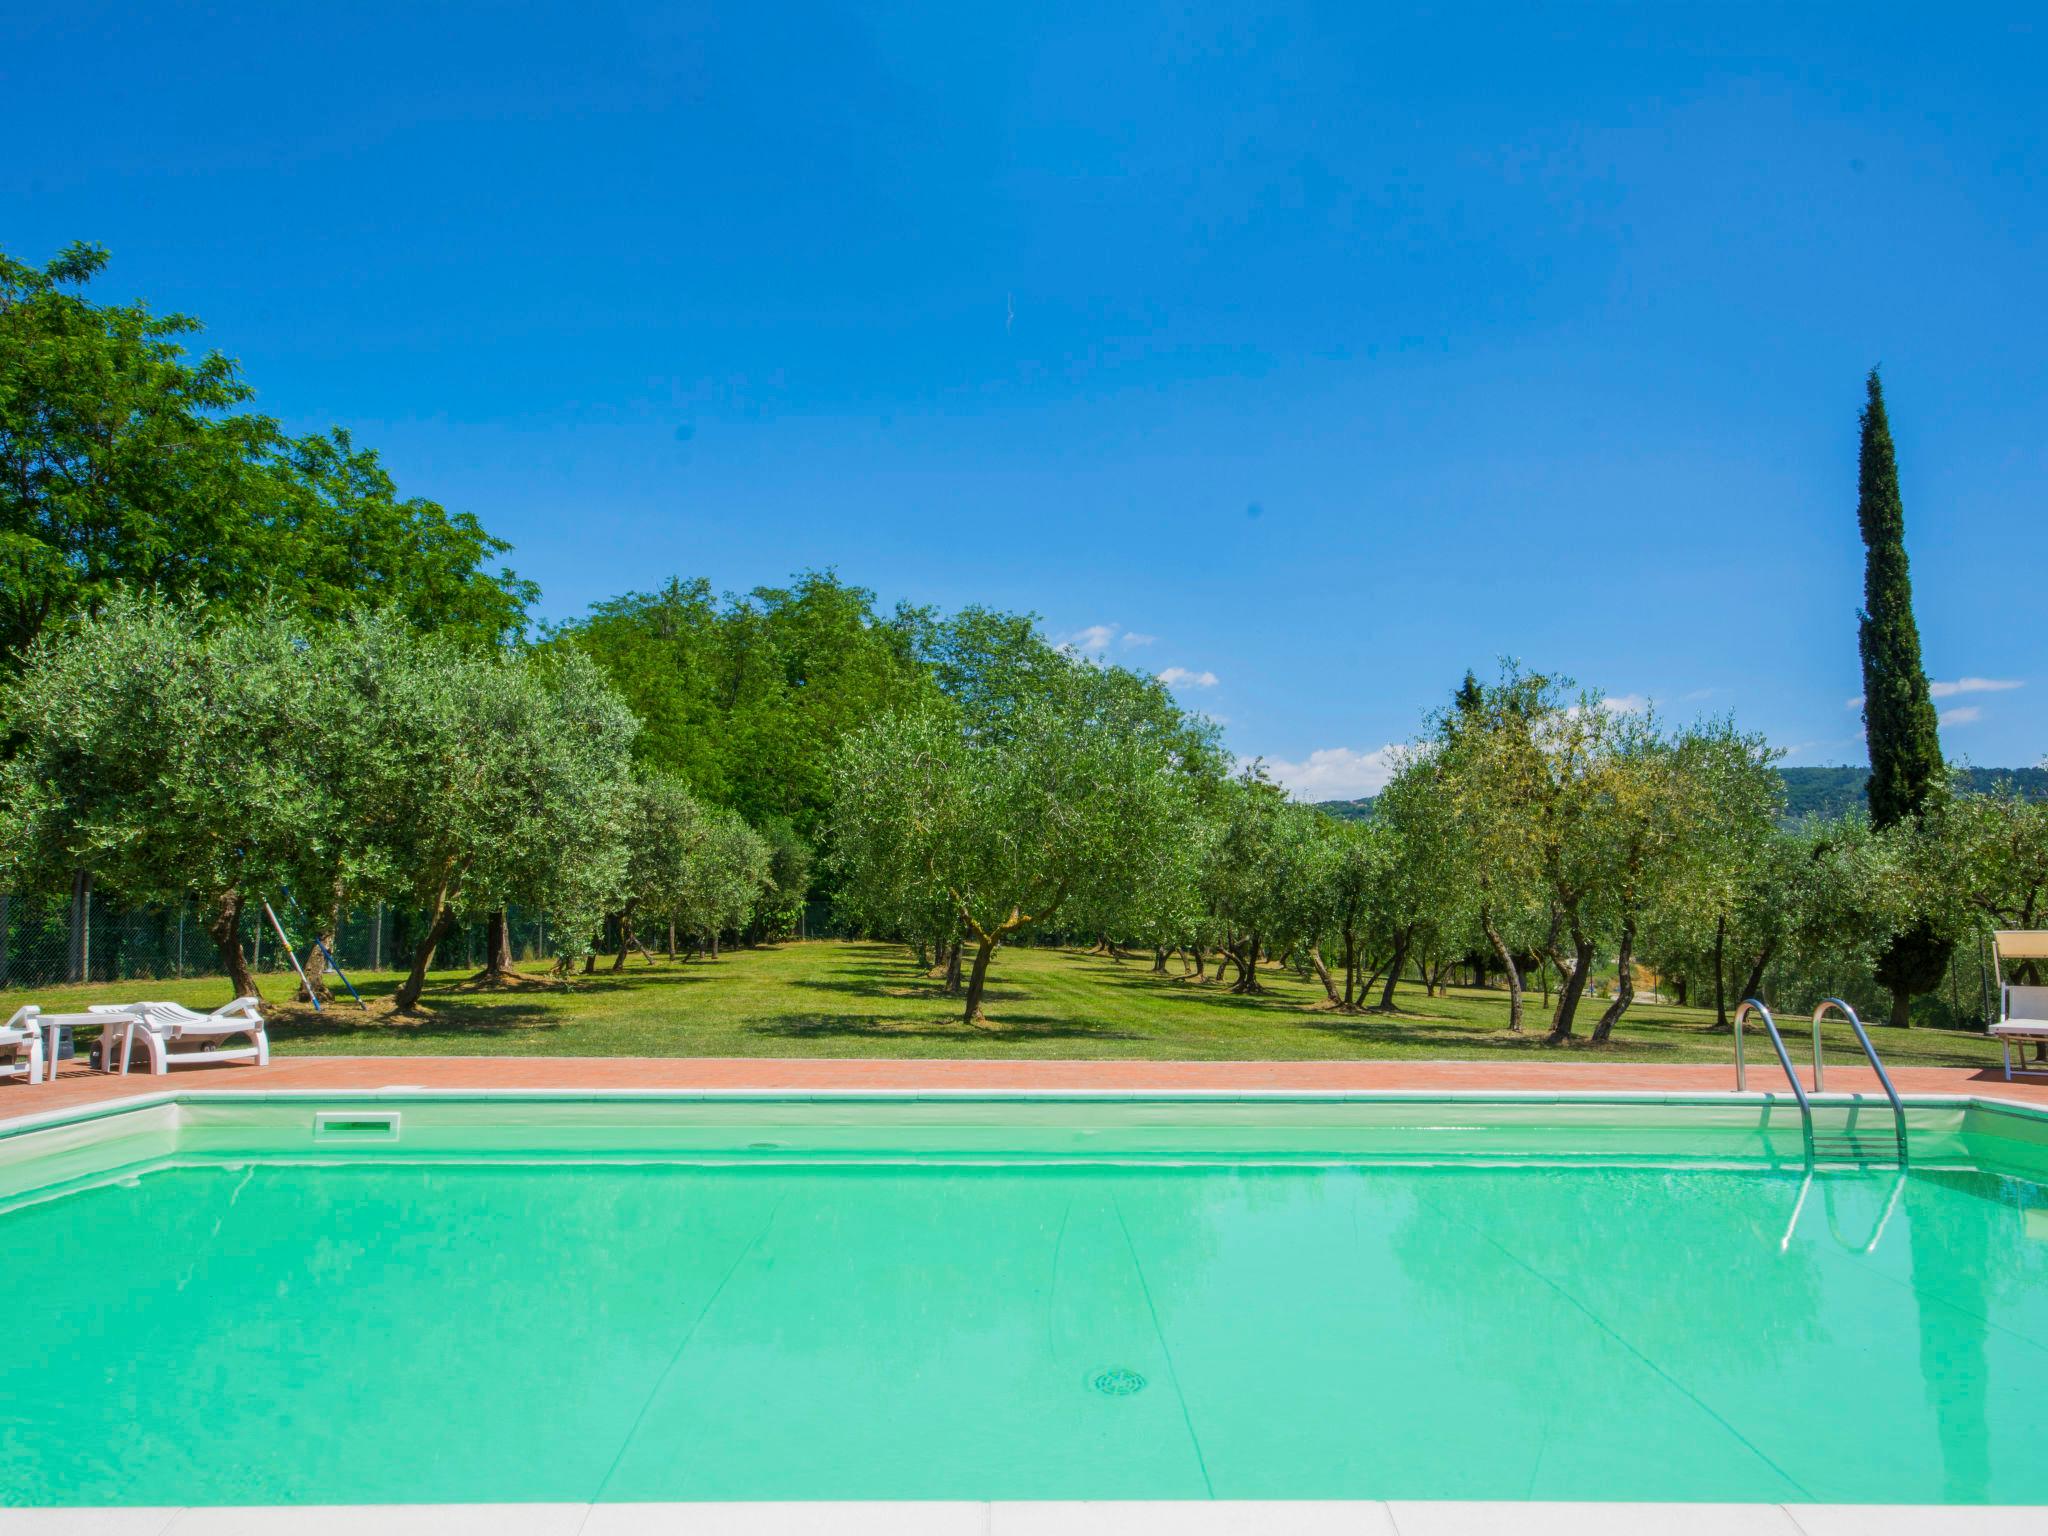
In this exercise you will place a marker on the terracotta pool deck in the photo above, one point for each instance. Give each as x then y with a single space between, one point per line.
77 1085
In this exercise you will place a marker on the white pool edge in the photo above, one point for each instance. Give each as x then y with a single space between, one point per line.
968 1518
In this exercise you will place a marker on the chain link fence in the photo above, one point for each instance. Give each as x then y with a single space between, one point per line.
48 940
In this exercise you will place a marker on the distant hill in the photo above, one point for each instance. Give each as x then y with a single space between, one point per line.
1832 791
1809 791
1347 810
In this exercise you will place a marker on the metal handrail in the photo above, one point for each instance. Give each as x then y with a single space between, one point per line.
1870 1054
1751 1005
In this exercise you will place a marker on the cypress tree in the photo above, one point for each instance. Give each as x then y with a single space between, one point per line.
1470 696
1906 772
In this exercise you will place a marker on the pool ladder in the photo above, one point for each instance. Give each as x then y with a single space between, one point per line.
1849 1144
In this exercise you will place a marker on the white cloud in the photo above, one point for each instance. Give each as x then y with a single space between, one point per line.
1336 773
1962 716
1133 639
1181 677
1625 703
1974 685
1092 641
1942 690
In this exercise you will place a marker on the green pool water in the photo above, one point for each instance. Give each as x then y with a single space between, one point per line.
222 1323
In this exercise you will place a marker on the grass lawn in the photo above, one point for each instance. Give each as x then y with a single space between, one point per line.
828 998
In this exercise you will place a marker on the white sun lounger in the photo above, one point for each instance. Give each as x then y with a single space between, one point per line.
22 1037
2022 1011
161 1026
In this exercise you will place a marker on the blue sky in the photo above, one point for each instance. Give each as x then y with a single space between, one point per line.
1314 354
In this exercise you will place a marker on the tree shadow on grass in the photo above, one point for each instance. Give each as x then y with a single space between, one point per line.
904 985
441 1019
1396 1029
1015 1029
637 980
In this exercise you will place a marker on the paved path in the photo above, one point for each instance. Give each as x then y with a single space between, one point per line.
77 1084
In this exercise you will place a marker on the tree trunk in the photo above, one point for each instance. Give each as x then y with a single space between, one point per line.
975 980
497 950
671 943
1386 1002
1248 968
714 943
924 959
1315 958
1507 964
625 922
1754 987
1201 965
1902 1014
953 969
1624 983
1721 972
415 982
1159 960
315 962
225 931
1573 987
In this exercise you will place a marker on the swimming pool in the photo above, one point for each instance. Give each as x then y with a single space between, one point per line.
252 1299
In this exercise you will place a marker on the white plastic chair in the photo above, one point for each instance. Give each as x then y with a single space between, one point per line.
22 1035
160 1026
2022 1010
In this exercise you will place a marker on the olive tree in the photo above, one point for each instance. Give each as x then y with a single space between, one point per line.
1009 814
1988 860
1247 865
1356 871
1489 748
730 866
477 778
173 759
661 826
1423 900
1718 877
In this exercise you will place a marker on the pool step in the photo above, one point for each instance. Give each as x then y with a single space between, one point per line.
1848 1147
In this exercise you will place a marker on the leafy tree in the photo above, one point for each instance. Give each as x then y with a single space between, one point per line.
122 463
127 463
663 826
1610 823
790 863
1996 858
1248 860
1162 905
1350 870
730 868
475 779
1423 897
351 543
1490 752
1906 774
1646 810
746 701
1015 813
1737 797
172 760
